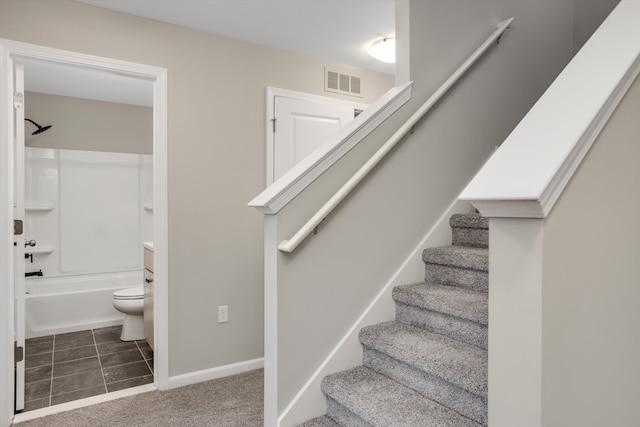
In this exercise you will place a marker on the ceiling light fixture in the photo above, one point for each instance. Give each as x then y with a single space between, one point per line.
384 50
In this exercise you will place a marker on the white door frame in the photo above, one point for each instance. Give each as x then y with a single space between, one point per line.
11 51
271 93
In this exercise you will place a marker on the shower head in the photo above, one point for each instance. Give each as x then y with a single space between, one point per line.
40 128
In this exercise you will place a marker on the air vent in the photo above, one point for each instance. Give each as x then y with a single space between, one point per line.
355 85
332 80
342 83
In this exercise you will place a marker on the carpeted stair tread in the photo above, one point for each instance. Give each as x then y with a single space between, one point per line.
323 421
458 363
451 300
458 256
471 220
376 400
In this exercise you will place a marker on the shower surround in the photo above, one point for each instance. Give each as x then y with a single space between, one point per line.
88 212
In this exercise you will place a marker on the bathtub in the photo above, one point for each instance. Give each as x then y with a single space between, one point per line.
56 305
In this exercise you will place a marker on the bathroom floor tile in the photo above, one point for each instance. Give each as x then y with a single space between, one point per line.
36 404
74 353
39 345
78 394
116 347
145 348
41 373
150 363
132 382
76 382
124 372
122 358
41 359
37 390
109 334
73 340
39 340
76 366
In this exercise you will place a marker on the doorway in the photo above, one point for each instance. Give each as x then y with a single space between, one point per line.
298 123
12 54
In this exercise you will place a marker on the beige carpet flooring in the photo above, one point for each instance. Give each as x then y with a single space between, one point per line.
235 401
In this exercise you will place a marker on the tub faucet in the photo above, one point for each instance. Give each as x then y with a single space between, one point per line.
34 273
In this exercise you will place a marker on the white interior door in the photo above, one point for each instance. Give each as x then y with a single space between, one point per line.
301 126
19 240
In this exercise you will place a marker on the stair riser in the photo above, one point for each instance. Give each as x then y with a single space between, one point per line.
343 416
473 237
465 403
454 276
452 327
458 257
469 221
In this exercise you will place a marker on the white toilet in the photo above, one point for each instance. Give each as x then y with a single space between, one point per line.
130 301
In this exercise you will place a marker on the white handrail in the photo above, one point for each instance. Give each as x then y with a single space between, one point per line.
291 244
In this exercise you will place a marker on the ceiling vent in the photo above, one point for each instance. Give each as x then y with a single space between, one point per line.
341 83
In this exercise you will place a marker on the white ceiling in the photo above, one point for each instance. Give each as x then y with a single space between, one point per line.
338 30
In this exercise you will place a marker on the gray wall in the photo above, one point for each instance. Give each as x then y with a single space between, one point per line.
590 293
216 160
587 17
84 124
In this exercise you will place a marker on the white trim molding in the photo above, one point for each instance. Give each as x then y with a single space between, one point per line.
10 52
292 183
525 177
215 373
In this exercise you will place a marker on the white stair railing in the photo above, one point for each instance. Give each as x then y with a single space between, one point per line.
291 244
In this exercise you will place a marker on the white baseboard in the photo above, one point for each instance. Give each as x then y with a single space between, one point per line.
310 402
214 373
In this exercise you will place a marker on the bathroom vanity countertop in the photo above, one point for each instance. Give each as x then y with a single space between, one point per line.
148 245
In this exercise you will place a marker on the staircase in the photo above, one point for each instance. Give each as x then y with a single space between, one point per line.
429 366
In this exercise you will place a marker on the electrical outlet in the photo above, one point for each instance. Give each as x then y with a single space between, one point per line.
223 313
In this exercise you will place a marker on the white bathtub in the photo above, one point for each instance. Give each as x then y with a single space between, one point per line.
57 305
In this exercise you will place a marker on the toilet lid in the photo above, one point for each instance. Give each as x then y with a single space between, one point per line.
129 293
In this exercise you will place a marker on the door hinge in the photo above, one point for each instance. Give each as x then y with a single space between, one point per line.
18 100
274 124
17 227
18 353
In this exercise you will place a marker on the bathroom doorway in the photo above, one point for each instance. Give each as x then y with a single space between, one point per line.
64 67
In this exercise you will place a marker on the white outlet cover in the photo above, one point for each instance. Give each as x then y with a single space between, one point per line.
223 313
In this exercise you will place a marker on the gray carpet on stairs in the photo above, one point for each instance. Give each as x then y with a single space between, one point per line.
458 256
429 366
463 303
454 276
235 401
471 406
470 230
473 221
453 327
387 402
322 421
460 364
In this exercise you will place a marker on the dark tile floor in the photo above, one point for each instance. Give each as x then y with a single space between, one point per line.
65 367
